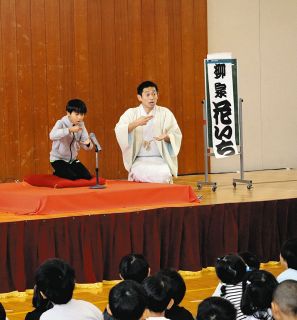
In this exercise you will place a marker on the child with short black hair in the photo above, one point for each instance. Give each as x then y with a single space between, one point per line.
216 308
68 135
40 303
56 281
159 297
258 287
288 259
127 301
134 267
251 260
284 301
178 290
231 270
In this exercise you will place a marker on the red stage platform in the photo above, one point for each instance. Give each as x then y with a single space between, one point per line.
163 222
24 199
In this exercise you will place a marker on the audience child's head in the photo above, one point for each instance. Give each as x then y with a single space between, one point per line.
2 312
288 254
127 300
216 308
134 267
284 301
76 105
56 280
251 260
39 300
158 294
177 284
230 269
257 288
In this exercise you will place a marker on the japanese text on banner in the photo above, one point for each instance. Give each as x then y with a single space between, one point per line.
221 101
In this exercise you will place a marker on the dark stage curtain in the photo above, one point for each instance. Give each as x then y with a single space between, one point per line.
187 238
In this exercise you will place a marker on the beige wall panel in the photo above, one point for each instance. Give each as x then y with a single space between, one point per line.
262 36
233 26
279 82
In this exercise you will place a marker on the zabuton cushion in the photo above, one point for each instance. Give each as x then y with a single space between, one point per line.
52 181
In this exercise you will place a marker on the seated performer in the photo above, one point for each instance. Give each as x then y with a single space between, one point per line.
68 135
149 138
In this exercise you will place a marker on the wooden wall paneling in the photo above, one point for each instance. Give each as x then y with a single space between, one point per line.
135 38
82 62
67 50
200 49
110 162
40 139
164 34
161 51
81 49
133 73
148 40
98 50
10 99
24 75
4 112
175 66
56 103
95 116
189 122
123 81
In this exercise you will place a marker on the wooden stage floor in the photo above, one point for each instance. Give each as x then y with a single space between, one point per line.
267 185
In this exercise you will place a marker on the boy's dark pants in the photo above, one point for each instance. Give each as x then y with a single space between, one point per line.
72 171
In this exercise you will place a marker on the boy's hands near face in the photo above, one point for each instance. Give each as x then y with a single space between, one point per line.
75 128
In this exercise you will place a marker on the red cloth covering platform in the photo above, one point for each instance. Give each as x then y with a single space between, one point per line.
24 199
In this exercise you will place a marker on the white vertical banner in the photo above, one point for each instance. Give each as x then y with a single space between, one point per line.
222 107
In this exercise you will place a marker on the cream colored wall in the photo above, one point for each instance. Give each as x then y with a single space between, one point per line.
262 35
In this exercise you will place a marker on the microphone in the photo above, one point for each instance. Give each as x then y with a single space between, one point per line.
95 141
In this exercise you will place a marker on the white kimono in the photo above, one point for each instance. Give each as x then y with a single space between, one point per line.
158 163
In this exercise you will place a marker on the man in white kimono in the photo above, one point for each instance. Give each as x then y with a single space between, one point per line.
149 138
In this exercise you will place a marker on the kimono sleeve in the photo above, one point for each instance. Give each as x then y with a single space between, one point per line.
124 138
174 133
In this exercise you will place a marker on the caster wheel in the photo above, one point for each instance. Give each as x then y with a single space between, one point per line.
214 188
234 185
199 186
249 186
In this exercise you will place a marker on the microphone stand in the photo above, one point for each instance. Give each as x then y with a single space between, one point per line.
97 185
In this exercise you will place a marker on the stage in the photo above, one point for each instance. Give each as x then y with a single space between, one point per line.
183 234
